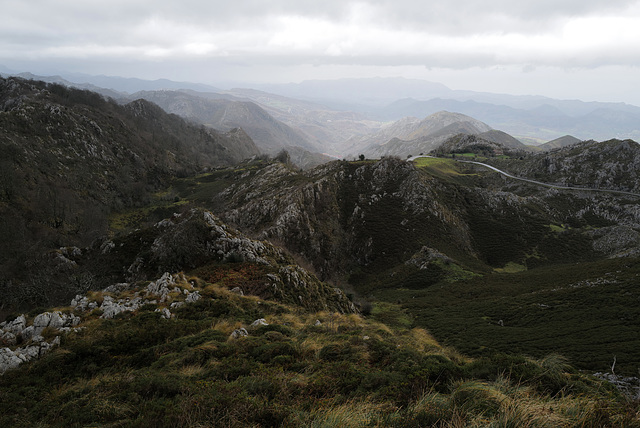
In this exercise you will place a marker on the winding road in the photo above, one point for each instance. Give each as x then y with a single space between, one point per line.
539 183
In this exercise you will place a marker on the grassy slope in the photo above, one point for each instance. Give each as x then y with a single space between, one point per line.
140 370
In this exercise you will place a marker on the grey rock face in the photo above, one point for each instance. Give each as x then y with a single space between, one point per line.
259 322
16 326
238 333
10 359
161 287
165 313
193 297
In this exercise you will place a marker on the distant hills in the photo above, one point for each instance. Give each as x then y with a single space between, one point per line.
521 116
336 117
564 141
544 121
412 135
269 134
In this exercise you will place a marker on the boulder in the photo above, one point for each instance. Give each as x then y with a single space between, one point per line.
259 322
238 333
8 338
192 297
16 326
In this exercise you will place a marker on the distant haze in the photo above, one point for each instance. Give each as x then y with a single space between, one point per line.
573 49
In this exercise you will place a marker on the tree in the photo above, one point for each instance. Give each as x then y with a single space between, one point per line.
361 157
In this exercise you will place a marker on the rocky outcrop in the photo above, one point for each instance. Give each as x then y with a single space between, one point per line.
423 258
616 241
12 358
198 238
18 331
171 290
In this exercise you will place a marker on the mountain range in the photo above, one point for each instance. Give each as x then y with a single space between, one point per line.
327 113
157 271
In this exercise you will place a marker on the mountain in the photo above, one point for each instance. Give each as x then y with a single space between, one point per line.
224 112
131 85
541 121
367 94
269 134
194 349
412 135
70 158
436 232
503 139
366 91
328 127
563 141
150 279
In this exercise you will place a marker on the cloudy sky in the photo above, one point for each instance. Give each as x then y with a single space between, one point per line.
586 49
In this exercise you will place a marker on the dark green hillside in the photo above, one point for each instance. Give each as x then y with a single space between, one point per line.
586 312
68 158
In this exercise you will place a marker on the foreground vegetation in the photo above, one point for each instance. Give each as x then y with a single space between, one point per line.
303 368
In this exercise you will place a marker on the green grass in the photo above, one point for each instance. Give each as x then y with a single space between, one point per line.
129 220
559 228
380 371
442 165
448 170
511 267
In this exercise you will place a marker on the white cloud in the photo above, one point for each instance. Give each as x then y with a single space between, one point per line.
270 39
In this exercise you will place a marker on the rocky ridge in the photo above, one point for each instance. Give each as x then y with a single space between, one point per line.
615 165
286 282
338 214
198 241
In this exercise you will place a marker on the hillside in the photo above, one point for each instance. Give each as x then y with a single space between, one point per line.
564 141
480 145
70 158
207 290
390 228
221 359
503 139
216 346
615 165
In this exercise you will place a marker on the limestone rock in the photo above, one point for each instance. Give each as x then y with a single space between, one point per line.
259 322
16 326
165 313
238 291
160 287
193 297
238 333
8 338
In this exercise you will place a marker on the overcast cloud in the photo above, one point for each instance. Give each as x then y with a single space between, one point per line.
586 49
